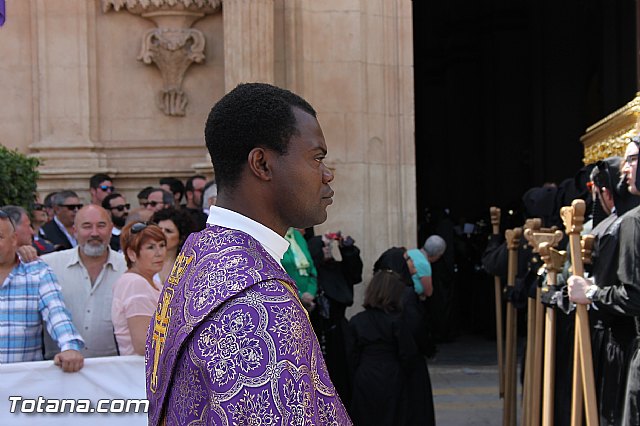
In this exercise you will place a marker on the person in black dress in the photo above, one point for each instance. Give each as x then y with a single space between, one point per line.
391 384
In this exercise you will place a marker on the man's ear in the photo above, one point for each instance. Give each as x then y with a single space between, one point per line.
259 163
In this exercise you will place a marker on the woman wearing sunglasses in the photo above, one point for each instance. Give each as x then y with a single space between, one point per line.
135 295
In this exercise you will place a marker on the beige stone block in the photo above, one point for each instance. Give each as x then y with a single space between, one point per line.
64 98
337 87
376 135
336 36
15 37
376 152
376 88
408 137
332 5
64 39
15 134
374 7
404 44
355 138
375 39
333 128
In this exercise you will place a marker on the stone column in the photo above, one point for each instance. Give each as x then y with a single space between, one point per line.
63 86
248 41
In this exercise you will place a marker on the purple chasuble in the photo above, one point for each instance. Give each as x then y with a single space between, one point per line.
231 344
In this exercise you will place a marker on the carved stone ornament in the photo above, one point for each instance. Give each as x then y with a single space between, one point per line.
173 46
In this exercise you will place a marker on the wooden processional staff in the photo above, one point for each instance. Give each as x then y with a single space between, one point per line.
495 224
537 239
583 380
553 262
511 377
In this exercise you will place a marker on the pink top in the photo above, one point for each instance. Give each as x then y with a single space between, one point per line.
132 296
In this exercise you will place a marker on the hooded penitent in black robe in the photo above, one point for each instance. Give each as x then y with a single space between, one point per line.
371 340
621 297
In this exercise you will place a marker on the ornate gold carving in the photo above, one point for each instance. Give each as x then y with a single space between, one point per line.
173 46
610 135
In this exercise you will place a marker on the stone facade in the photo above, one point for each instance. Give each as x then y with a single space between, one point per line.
124 87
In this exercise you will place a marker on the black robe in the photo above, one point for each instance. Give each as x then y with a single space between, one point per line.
611 333
335 291
391 384
622 297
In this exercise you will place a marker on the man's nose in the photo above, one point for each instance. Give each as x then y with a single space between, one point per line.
327 175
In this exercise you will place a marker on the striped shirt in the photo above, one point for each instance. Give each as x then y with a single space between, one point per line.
29 295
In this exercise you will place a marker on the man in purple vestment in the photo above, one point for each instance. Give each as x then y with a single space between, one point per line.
230 343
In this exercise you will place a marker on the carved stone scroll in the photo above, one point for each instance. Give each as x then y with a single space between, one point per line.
173 45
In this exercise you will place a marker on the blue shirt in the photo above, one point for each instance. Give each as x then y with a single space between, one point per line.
422 265
29 295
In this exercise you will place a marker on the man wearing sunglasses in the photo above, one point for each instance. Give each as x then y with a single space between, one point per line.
118 208
60 230
230 326
29 296
100 185
158 199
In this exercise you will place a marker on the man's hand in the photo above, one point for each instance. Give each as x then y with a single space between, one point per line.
27 253
307 301
577 288
70 361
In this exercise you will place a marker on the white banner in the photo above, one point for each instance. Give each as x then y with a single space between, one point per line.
105 392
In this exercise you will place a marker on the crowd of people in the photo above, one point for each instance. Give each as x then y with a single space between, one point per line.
107 279
90 275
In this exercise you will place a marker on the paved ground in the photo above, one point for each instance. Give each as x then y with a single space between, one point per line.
464 377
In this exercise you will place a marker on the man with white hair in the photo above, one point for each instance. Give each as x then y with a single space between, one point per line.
86 274
422 258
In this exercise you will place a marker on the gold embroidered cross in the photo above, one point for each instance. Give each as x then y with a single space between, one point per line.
163 315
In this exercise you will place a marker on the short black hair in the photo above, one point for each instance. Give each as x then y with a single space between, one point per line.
249 116
48 200
175 184
181 218
97 179
61 197
106 201
167 197
189 186
144 193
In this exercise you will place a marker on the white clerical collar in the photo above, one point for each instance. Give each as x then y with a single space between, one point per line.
275 245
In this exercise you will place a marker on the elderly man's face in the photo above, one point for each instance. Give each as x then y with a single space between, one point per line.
301 177
93 230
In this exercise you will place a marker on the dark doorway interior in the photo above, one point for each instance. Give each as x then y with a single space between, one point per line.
503 92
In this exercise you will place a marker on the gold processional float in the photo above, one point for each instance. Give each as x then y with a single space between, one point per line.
610 135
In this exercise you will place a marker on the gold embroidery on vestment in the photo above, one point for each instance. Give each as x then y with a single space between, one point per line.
163 315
